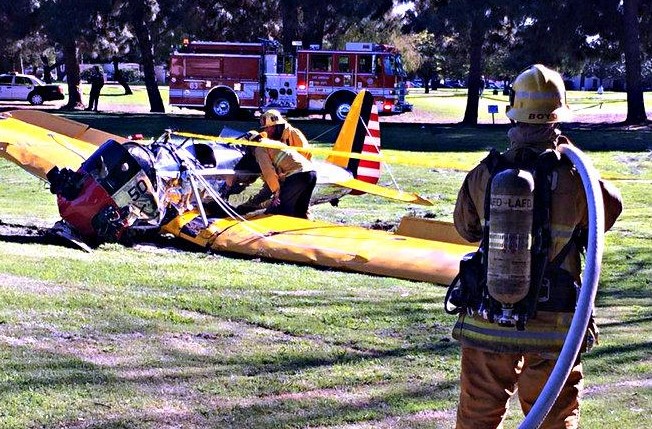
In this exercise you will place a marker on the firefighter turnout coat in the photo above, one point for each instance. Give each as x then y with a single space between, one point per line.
278 164
547 331
295 138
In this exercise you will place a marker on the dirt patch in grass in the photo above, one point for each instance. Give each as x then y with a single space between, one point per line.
27 285
593 391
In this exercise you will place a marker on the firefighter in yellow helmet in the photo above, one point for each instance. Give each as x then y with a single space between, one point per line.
278 128
502 352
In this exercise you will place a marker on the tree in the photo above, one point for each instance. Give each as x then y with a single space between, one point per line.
582 36
139 14
317 22
230 20
17 22
538 24
471 29
72 23
432 58
632 47
385 31
586 40
119 76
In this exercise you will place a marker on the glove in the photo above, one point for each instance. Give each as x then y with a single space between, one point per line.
276 199
253 136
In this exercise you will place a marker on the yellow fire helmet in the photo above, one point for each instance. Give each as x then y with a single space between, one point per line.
270 118
538 96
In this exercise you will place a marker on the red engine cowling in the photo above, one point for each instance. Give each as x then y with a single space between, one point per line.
113 189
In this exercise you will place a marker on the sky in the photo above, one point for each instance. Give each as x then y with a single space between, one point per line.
400 9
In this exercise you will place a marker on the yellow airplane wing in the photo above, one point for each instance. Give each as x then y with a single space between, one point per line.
66 127
381 191
38 141
38 150
337 246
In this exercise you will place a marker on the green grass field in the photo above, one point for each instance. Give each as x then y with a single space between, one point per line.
158 337
588 107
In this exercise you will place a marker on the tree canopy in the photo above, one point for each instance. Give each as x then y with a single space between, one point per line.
458 39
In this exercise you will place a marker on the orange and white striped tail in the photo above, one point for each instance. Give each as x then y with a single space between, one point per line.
369 171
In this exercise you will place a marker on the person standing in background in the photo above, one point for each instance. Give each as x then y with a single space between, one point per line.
97 82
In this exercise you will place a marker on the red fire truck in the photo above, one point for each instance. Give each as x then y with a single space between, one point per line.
223 77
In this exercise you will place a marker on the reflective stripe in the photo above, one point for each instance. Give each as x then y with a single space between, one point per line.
538 336
561 232
188 93
280 156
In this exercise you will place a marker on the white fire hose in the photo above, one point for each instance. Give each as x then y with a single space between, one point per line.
590 277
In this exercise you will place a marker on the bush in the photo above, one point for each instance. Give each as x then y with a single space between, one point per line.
133 75
85 75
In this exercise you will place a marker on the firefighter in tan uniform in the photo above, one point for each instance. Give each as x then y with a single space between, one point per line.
498 359
275 127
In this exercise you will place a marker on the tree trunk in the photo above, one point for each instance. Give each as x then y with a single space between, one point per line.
120 77
73 75
631 41
289 32
475 73
314 22
147 54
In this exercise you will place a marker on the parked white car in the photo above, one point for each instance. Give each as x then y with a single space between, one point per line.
24 87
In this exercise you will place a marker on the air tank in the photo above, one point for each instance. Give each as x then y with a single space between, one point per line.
510 238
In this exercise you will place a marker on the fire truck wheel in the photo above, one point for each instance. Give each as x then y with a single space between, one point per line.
340 108
221 107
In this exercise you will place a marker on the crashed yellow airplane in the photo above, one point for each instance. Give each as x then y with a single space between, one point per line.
200 188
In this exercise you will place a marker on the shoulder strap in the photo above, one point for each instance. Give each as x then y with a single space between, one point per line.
563 253
493 160
546 162
495 163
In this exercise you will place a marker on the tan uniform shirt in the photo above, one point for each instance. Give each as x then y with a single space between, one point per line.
295 138
276 165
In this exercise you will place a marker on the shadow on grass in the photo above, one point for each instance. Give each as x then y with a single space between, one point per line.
619 356
628 281
630 322
295 412
30 369
176 377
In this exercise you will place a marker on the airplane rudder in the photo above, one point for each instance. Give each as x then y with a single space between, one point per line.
367 170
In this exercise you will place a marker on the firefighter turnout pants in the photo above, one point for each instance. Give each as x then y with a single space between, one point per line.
488 380
295 194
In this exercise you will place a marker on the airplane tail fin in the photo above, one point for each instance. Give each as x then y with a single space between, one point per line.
360 133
